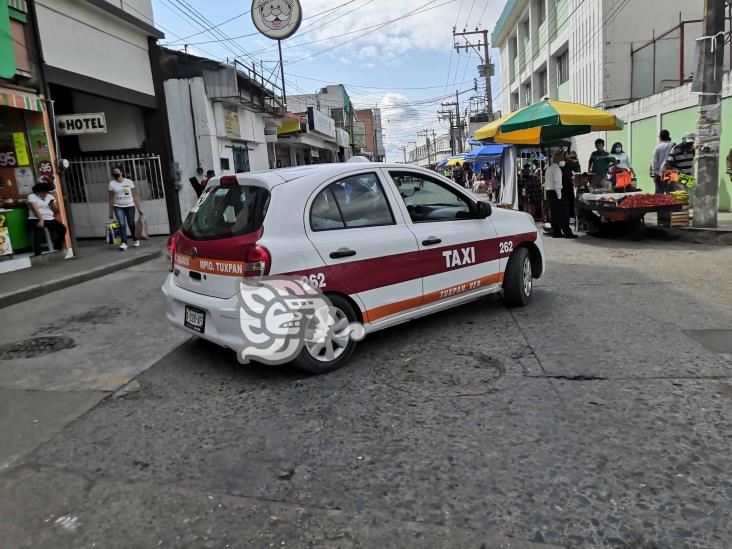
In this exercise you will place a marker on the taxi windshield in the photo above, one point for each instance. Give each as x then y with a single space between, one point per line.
223 212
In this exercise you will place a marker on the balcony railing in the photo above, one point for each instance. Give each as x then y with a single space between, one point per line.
514 69
558 18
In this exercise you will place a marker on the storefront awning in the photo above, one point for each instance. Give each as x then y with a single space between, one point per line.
20 100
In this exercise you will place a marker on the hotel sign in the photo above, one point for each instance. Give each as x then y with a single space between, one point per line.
80 124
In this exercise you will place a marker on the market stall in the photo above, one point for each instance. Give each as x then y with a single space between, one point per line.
595 208
545 123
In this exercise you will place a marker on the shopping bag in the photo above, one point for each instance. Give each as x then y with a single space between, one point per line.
141 228
623 179
112 233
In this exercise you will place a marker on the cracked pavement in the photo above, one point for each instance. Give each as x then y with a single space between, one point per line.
589 418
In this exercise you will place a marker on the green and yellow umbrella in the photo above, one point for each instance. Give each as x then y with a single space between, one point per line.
548 121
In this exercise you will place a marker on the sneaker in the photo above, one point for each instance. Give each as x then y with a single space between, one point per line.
136 243
123 246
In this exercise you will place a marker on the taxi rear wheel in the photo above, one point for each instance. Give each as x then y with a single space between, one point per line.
321 357
518 280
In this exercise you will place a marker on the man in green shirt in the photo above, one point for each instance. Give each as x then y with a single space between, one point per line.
600 161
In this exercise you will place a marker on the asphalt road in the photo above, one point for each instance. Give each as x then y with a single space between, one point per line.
590 418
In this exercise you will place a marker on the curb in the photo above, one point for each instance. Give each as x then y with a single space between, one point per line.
711 237
38 290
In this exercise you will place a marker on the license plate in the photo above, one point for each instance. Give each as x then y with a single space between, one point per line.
195 319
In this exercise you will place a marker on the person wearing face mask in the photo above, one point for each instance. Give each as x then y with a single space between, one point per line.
559 217
123 200
622 157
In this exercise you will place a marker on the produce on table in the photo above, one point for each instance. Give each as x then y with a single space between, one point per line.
648 201
681 196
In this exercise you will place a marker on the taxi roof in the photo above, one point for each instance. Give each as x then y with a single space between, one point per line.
278 176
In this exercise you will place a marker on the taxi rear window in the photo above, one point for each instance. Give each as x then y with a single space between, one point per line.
224 212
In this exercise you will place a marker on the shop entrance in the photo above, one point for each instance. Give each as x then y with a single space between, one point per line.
88 184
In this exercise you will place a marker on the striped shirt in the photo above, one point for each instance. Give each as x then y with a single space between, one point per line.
681 158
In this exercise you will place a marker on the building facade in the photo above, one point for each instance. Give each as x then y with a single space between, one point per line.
371 129
633 57
27 148
220 116
334 104
583 50
434 150
102 75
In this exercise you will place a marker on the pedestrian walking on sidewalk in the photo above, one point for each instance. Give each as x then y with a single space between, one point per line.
468 174
123 200
660 155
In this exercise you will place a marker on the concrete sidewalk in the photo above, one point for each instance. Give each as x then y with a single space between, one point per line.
721 235
94 259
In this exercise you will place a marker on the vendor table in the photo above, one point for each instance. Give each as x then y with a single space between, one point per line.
601 204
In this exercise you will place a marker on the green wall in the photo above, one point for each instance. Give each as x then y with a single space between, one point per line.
644 140
621 135
679 122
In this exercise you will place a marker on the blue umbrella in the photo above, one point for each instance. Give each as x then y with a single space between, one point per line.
485 151
441 163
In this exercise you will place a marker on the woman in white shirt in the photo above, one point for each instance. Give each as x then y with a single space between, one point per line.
622 157
42 211
123 200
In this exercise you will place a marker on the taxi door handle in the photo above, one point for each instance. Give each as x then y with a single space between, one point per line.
431 241
343 252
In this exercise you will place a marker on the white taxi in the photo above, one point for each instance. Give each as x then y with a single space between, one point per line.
385 243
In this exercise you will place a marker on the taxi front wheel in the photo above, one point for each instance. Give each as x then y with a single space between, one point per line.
518 279
333 349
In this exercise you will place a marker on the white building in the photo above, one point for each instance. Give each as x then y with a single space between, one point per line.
334 103
219 115
437 150
97 60
589 51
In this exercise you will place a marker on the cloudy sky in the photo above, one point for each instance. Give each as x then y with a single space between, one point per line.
394 54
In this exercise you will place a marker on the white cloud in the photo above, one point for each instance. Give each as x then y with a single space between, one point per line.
344 60
368 66
368 51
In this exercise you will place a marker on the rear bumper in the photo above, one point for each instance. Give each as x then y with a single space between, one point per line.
223 325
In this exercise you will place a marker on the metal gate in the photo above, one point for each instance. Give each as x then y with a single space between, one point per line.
88 187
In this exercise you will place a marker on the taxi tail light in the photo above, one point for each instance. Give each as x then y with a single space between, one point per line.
170 251
258 261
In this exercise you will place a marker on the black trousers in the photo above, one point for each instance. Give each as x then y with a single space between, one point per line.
56 228
559 217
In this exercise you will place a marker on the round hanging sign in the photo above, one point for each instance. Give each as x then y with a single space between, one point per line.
277 19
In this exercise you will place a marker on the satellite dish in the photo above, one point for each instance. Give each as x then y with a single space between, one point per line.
358 159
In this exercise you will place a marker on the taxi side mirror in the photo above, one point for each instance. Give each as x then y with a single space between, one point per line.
483 210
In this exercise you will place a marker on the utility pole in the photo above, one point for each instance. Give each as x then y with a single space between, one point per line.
426 134
447 115
404 150
486 69
708 129
458 124
414 155
456 130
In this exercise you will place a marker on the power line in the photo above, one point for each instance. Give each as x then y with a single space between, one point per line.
422 9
